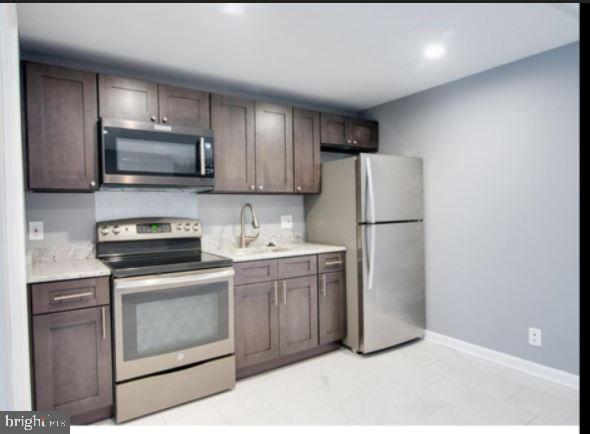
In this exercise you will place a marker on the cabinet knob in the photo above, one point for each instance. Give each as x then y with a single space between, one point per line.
298 188
164 119
348 141
92 183
261 187
252 187
354 141
153 118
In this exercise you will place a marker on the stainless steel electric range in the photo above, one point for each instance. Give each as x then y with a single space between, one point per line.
172 314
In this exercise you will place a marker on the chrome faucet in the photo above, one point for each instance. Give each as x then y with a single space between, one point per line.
244 239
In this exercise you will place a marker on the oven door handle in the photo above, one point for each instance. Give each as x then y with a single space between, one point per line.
162 282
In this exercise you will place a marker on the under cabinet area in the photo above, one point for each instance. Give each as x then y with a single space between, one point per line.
72 362
281 317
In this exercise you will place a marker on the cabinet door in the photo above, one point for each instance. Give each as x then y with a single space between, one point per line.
127 98
298 315
61 128
257 323
274 148
72 361
183 107
332 306
232 121
364 134
306 151
335 129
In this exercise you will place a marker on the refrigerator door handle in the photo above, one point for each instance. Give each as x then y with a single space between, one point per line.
370 204
371 255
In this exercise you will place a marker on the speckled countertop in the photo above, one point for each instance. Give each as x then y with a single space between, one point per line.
76 261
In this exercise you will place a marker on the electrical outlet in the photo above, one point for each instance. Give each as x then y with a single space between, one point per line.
286 221
535 337
35 231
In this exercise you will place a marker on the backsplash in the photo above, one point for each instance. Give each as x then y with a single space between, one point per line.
70 218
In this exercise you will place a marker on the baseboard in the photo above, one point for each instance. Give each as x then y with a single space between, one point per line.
545 372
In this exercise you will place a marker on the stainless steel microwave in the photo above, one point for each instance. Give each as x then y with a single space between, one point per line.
143 154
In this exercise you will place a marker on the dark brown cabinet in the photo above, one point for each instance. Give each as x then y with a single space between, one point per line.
138 100
298 316
257 323
332 307
72 349
61 114
127 98
232 121
274 148
183 107
306 151
344 134
279 320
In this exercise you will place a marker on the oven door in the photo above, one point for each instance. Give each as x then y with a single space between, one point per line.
166 321
144 154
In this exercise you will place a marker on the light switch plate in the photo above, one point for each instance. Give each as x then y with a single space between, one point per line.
286 221
35 231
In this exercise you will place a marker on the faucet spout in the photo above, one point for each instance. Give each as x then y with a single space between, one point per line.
244 239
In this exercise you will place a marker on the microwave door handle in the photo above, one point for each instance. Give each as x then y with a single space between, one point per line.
202 155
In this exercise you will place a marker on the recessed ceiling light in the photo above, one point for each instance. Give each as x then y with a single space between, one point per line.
233 8
434 51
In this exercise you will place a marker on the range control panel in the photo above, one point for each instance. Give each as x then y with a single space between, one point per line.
147 229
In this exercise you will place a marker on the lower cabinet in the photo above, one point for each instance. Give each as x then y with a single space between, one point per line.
72 355
280 321
332 307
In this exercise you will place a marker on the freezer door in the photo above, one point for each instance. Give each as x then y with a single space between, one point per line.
390 188
392 284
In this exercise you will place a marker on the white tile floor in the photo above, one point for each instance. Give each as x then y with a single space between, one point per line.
421 383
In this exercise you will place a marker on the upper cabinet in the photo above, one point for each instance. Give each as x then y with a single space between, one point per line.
306 151
232 121
274 148
183 107
61 137
128 98
344 134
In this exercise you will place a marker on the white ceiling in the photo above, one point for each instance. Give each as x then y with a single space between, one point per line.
349 56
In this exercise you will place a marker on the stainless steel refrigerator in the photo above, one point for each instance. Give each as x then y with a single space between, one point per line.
372 204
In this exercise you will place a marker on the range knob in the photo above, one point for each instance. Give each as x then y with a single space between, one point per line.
104 230
116 229
187 226
196 227
179 227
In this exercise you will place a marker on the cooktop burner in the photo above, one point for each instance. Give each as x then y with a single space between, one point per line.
136 265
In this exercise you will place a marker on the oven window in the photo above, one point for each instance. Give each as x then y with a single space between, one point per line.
168 320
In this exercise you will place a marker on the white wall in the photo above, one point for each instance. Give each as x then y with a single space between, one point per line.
501 175
15 389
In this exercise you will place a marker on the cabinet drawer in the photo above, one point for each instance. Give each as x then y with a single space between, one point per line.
69 294
331 262
255 272
297 266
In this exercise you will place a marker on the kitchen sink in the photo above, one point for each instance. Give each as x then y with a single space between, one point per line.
256 250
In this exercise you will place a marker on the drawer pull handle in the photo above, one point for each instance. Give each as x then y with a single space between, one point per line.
104 323
276 293
323 287
330 263
70 296
284 292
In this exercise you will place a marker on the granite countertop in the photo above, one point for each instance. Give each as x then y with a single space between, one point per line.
76 261
255 253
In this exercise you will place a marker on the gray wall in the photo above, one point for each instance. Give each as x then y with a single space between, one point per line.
501 160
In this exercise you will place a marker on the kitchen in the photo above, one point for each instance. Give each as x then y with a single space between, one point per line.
195 241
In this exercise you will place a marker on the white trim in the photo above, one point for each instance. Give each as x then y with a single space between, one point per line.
545 372
15 375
